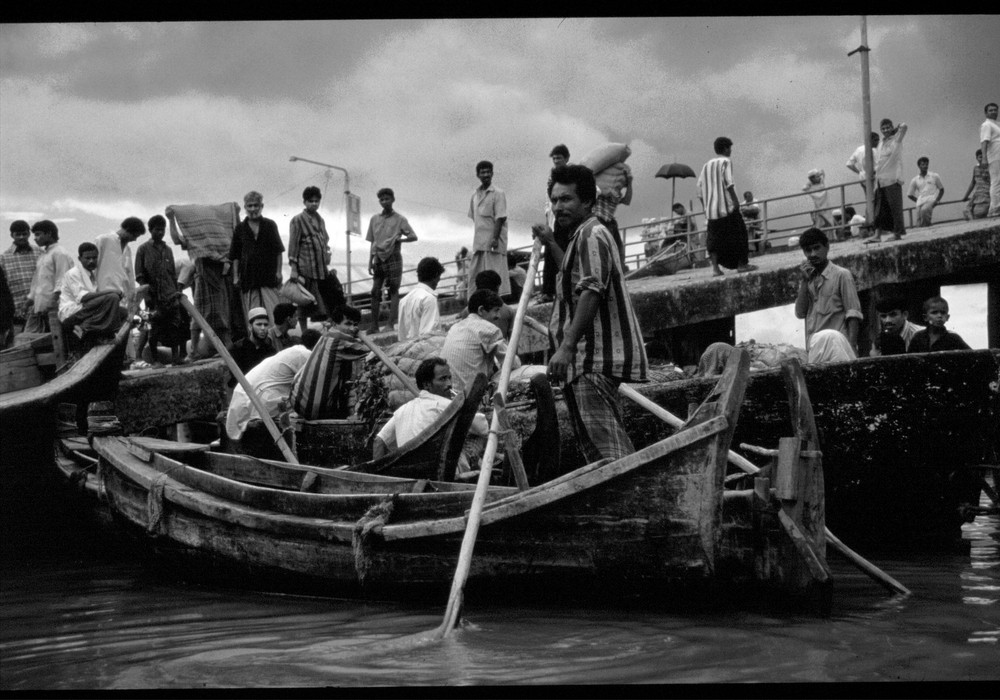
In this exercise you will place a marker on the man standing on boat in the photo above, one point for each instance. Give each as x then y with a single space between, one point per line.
926 189
598 336
827 295
488 211
257 252
889 181
90 312
727 242
53 263
387 231
18 263
989 136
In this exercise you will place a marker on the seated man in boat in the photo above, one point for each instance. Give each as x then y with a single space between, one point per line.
284 321
476 344
272 381
323 387
250 351
91 313
433 378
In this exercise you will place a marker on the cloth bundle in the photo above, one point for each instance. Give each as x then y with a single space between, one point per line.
206 229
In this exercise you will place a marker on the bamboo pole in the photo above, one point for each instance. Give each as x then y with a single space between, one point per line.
486 466
380 354
747 466
241 378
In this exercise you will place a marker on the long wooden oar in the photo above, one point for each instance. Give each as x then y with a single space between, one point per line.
234 368
486 466
387 361
747 466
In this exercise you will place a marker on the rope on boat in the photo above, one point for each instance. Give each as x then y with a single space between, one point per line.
376 516
154 505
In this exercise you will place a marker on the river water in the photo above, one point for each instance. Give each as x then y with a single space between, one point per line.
79 610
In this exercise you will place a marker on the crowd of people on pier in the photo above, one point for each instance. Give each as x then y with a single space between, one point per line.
596 341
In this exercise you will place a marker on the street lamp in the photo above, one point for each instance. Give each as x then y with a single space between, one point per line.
347 210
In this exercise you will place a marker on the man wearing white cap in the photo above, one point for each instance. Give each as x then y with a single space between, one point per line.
248 352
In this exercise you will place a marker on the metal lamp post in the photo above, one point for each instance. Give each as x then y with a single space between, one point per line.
347 210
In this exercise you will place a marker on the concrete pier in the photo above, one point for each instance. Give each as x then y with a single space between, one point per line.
953 253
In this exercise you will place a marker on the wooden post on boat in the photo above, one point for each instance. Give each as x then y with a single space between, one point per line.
279 439
380 354
749 467
486 466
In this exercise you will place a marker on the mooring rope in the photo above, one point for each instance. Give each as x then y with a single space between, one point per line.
376 516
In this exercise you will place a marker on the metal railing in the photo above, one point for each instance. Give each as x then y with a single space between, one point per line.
774 227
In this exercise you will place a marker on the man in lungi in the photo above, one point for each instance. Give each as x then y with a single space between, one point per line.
323 387
726 242
387 231
309 254
599 340
488 211
889 182
257 252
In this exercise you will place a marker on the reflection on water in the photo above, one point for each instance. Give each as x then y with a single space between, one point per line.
73 618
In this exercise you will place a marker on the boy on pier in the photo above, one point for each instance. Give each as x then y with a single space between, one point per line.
936 338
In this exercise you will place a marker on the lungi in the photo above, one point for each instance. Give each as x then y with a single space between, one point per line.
592 400
728 239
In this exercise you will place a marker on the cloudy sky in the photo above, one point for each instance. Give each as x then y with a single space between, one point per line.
100 121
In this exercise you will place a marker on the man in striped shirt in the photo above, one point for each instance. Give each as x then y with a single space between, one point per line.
19 264
323 388
599 340
726 242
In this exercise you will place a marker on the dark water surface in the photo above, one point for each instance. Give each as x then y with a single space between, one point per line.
79 611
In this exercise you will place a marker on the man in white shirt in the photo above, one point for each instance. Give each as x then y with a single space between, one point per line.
475 344
926 190
856 163
433 378
272 381
418 310
53 263
989 136
889 181
114 257
854 220
84 308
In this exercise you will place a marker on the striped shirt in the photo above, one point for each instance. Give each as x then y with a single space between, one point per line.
20 268
322 388
713 187
472 346
308 244
613 345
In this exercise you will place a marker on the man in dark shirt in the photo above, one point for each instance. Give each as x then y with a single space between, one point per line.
257 252
936 338
249 351
154 266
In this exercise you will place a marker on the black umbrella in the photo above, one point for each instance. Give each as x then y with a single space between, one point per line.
672 172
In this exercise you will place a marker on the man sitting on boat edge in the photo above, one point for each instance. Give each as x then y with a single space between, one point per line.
433 378
91 313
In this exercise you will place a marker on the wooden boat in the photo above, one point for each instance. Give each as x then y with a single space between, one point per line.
667 261
654 521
